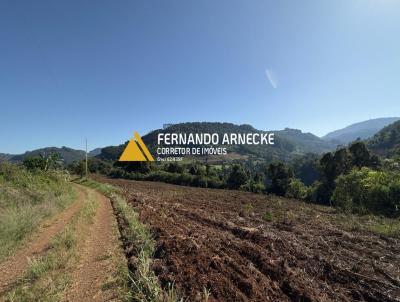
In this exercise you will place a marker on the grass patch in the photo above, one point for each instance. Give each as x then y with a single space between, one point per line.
47 276
267 216
26 199
371 223
117 282
89 208
248 209
46 279
106 189
144 283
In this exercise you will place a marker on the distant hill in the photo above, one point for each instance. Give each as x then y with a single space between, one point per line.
387 141
95 152
288 142
5 156
362 130
305 142
67 154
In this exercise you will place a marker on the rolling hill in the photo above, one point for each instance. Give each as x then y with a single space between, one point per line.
95 152
68 155
362 130
5 156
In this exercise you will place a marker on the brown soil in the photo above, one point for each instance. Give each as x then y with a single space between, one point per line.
247 247
98 244
13 267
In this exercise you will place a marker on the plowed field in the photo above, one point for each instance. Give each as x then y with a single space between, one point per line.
246 247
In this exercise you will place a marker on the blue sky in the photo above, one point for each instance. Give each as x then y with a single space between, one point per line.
102 69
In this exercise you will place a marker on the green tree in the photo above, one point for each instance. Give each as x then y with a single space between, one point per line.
279 175
305 168
43 162
237 177
361 156
79 168
331 166
35 163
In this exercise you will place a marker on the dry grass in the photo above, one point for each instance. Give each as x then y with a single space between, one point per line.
47 276
26 199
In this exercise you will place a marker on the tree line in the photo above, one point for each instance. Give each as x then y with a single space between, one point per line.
350 178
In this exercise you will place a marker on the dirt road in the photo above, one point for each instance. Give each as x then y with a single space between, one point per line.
98 252
240 246
99 243
13 268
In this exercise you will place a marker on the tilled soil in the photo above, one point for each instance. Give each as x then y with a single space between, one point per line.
246 247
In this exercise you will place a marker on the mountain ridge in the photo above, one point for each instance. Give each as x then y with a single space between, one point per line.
363 130
289 142
68 155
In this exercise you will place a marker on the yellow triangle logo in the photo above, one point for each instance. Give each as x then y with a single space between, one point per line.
136 150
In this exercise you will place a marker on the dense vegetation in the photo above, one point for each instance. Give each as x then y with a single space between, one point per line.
27 196
365 189
387 141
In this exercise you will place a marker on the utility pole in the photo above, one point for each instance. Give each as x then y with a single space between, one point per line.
86 164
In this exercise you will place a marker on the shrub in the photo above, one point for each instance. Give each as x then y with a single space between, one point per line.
248 209
296 189
253 186
319 192
365 190
174 168
117 173
35 163
267 216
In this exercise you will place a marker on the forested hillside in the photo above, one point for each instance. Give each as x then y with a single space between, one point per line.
66 154
387 141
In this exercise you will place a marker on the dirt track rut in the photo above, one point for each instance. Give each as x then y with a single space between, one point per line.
100 242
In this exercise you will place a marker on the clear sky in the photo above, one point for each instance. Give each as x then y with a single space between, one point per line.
102 69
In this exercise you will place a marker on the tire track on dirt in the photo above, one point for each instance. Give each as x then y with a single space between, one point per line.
99 242
14 266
